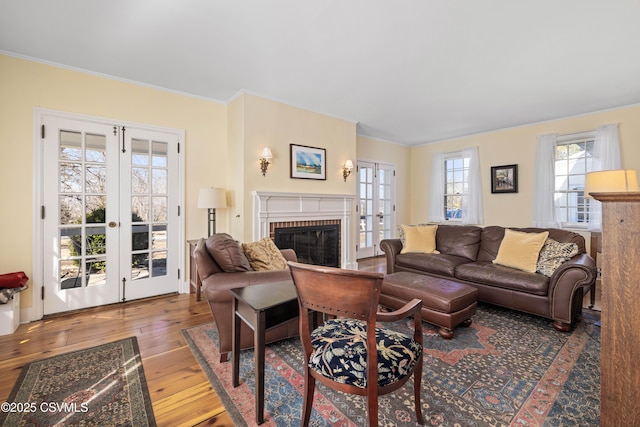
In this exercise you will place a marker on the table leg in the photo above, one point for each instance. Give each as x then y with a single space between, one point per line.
259 344
235 346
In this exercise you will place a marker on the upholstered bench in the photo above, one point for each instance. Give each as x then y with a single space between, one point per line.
445 303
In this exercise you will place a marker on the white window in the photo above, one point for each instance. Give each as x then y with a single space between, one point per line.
573 160
456 185
456 189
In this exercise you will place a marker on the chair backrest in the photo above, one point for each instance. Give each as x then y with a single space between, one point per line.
345 293
338 292
350 294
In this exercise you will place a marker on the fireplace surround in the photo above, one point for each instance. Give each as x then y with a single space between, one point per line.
276 209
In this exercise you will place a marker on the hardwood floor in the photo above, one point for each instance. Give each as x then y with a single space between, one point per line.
180 392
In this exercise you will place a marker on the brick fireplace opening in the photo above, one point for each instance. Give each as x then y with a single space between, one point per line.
315 242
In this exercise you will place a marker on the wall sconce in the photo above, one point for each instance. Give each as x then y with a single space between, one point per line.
264 160
611 181
212 198
346 169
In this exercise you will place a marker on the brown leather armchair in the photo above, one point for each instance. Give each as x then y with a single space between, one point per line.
216 284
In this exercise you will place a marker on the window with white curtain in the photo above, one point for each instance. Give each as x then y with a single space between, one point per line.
573 160
562 162
456 185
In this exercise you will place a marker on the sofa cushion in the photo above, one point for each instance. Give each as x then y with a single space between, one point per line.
264 255
553 255
504 277
440 264
559 235
490 239
227 253
459 240
420 239
520 250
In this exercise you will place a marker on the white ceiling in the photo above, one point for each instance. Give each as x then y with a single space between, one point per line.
407 71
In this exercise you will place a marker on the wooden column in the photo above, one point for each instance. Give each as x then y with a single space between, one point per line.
620 334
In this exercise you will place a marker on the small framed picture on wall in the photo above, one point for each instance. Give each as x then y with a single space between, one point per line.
308 162
504 179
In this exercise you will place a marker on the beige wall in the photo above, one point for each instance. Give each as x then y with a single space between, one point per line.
25 85
267 123
223 144
517 146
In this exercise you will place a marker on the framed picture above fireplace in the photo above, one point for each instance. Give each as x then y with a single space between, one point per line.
308 162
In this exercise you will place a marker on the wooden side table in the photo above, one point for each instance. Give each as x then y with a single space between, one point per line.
194 279
261 307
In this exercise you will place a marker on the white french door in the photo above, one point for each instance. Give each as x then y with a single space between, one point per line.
110 213
376 207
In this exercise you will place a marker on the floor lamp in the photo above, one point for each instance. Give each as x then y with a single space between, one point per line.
211 199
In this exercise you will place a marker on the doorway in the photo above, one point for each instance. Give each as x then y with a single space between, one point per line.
111 226
376 207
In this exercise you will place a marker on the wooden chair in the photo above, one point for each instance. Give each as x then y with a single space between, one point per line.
346 351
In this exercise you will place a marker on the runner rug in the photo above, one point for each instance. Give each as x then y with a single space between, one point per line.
99 386
506 369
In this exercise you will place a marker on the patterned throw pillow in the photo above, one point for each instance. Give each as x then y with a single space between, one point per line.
553 254
264 255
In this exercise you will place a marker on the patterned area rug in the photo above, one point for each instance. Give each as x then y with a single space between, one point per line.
506 369
99 386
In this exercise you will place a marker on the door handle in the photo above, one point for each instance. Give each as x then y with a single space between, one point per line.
113 224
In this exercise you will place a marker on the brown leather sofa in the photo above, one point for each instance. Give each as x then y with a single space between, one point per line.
466 255
217 282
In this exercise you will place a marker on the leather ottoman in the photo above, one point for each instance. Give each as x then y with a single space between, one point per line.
445 303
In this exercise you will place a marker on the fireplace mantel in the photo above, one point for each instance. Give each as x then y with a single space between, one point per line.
271 207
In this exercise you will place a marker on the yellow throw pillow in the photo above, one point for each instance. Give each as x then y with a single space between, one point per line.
419 239
520 250
264 255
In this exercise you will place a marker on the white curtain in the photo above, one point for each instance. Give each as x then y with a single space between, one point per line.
606 156
472 204
544 210
436 195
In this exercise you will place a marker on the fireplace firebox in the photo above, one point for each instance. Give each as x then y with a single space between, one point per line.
313 244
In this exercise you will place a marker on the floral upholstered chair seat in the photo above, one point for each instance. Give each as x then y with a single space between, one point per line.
339 353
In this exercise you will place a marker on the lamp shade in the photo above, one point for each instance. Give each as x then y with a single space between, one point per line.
348 164
212 198
266 153
612 181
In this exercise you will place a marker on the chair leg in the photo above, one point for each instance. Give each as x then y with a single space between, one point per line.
417 384
310 387
372 410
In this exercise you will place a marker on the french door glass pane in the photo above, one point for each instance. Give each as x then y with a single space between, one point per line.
81 208
96 148
149 208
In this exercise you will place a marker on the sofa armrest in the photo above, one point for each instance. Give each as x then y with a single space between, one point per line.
391 248
205 263
579 271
